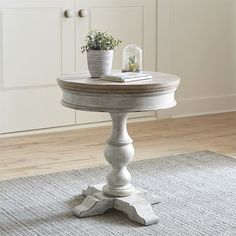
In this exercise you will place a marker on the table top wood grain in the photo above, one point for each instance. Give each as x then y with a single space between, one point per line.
82 82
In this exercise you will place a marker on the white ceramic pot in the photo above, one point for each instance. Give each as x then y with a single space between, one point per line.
99 62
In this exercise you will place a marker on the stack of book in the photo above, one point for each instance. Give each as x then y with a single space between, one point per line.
126 77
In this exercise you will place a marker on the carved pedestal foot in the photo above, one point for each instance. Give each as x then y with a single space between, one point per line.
137 206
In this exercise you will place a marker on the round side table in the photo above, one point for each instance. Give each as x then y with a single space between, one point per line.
84 93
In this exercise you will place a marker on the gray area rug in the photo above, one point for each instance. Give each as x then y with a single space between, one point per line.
198 192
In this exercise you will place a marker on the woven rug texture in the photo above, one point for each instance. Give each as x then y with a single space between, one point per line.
197 191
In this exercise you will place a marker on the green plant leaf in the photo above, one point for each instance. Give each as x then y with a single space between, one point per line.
96 40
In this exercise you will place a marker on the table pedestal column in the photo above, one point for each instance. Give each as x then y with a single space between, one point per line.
118 193
119 152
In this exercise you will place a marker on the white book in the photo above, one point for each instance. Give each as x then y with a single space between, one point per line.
126 77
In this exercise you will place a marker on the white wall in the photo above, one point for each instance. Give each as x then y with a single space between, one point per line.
197 41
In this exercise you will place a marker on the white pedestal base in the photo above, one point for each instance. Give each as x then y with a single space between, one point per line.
90 95
137 205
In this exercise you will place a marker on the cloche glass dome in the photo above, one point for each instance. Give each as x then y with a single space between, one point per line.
132 59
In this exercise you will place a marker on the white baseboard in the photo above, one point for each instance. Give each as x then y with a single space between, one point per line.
200 106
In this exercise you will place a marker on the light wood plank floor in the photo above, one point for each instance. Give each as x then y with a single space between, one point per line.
59 151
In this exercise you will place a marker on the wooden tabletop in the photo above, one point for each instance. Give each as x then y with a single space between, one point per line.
82 82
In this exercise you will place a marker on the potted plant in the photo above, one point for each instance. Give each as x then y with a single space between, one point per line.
99 47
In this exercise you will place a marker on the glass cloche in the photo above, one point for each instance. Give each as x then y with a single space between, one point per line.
132 59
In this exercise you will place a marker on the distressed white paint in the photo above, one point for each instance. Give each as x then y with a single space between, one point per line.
119 152
137 206
83 93
118 99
